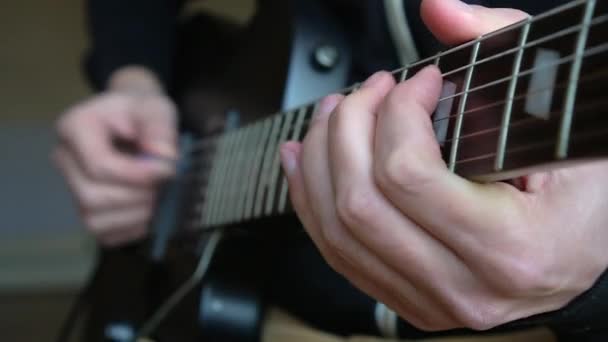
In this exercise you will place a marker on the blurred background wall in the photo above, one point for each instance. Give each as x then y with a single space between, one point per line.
45 256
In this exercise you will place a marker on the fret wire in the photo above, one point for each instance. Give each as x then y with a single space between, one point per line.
593 77
575 69
589 52
215 204
221 192
403 76
224 180
595 21
206 193
437 60
211 200
531 120
294 136
529 146
231 155
265 132
236 184
268 155
484 37
559 34
249 160
541 144
235 180
461 108
275 176
506 117
404 71
493 104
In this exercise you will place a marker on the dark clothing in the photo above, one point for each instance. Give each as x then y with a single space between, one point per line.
144 32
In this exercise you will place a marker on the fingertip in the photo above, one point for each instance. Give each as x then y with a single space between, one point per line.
424 87
455 22
448 20
290 152
379 78
327 105
160 170
431 72
163 150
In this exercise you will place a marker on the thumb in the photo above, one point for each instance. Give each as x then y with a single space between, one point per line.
158 128
455 22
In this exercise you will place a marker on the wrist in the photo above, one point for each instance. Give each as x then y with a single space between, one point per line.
135 79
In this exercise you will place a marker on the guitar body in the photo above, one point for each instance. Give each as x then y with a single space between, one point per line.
217 64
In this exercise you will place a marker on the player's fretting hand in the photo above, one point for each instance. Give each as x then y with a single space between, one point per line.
373 192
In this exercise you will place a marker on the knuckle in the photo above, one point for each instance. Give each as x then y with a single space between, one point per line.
393 102
147 214
335 239
63 126
93 225
401 171
345 108
98 171
531 275
139 232
334 262
89 199
479 313
355 207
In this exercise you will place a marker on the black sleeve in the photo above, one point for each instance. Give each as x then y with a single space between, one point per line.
133 32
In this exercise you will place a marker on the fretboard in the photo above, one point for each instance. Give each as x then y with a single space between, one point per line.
529 95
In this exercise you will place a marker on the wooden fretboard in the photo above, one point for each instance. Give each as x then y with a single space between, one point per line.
528 95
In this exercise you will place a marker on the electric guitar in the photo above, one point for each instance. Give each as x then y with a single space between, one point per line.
528 97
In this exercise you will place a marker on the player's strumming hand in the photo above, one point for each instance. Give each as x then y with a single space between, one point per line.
116 189
373 192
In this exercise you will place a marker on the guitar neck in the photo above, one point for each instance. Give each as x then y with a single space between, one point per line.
527 96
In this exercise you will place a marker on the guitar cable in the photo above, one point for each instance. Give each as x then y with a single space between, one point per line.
209 247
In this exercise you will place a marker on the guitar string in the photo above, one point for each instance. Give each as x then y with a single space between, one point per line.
583 80
200 227
559 34
583 108
588 53
573 29
541 144
526 121
506 29
590 77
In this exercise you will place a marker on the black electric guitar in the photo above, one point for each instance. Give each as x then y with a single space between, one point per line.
530 96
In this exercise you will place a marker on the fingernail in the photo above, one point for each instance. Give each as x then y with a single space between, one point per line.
327 105
373 80
463 6
288 160
165 150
